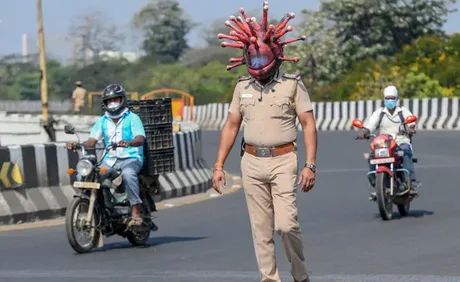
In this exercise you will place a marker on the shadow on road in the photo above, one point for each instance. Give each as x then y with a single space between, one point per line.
152 242
156 241
412 214
420 213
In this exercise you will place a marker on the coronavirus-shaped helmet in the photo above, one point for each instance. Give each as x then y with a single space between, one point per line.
262 44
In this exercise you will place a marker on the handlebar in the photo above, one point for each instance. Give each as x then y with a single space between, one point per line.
113 145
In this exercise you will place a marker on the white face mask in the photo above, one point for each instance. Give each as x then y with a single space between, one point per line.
113 105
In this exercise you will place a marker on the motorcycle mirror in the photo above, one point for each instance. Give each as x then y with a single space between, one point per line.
358 123
410 119
69 129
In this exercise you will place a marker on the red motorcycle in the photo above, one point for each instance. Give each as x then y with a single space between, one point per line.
392 181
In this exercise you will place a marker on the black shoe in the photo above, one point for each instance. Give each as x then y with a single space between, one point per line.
153 226
413 189
373 197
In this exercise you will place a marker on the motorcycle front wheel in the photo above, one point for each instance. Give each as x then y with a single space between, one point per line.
82 236
384 201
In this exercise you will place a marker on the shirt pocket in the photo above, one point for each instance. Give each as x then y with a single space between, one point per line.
281 107
247 106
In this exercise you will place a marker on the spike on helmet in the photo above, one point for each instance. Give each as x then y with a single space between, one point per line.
262 43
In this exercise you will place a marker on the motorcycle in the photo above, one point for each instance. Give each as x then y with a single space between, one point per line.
102 206
392 181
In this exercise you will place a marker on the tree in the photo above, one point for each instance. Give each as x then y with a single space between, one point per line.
91 34
165 26
345 31
209 33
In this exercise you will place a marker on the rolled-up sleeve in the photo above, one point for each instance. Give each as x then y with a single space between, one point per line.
136 126
96 131
371 123
302 99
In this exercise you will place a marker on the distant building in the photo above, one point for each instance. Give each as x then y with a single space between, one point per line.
129 56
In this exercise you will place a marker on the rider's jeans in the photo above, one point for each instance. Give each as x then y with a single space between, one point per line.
408 163
130 169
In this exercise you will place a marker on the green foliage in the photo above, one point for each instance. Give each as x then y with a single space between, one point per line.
345 31
427 68
209 83
91 34
165 27
354 49
422 86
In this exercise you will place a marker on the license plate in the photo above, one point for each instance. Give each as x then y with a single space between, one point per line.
382 161
86 185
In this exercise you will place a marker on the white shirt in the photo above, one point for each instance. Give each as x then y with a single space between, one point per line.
390 123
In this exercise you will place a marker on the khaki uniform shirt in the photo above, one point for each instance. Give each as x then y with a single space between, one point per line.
270 112
79 98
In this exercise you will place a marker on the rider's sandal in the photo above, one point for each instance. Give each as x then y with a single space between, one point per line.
135 222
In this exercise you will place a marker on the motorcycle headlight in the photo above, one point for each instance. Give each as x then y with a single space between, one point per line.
382 153
84 167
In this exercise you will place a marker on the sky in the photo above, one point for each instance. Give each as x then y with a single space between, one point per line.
20 16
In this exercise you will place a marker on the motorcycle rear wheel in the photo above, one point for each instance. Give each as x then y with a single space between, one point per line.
77 211
138 238
382 184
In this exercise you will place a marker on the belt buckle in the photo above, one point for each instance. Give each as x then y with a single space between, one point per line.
263 152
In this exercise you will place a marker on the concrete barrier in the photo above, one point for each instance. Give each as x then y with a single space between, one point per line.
433 113
46 190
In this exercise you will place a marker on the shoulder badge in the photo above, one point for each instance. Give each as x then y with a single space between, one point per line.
295 76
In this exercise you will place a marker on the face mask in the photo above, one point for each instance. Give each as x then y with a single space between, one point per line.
113 105
390 104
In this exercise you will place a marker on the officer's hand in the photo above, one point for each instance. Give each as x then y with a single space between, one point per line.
71 146
307 179
218 180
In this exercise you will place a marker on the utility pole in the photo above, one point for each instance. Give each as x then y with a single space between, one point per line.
46 122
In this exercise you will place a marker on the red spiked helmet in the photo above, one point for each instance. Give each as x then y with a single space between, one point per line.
262 43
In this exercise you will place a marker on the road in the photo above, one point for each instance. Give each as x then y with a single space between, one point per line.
345 240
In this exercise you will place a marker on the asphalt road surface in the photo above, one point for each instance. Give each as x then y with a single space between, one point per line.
345 240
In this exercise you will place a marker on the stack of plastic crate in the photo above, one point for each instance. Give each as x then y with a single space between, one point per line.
156 115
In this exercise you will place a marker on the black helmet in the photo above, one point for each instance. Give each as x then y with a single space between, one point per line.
114 91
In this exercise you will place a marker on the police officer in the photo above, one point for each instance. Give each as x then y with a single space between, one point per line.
78 97
269 103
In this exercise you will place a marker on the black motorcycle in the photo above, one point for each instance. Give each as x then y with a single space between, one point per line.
102 206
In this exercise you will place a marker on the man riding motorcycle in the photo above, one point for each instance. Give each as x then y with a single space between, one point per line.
125 129
390 120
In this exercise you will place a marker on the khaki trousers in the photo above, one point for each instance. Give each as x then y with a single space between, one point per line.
269 185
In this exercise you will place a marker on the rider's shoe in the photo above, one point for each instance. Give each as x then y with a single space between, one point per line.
135 222
153 226
373 197
414 185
